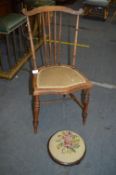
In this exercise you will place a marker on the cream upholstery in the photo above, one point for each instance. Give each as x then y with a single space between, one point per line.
58 77
66 147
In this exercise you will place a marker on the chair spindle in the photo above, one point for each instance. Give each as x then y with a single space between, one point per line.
59 36
49 36
32 45
75 40
44 37
55 37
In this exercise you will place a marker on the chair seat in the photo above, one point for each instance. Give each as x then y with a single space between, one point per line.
59 77
11 22
102 3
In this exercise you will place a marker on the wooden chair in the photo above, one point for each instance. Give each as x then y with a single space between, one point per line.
57 73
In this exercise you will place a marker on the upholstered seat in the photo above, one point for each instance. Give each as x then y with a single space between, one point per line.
67 147
102 3
59 77
11 22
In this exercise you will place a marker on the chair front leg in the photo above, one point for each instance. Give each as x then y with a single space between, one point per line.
36 109
85 101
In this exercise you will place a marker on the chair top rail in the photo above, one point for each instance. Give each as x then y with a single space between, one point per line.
50 9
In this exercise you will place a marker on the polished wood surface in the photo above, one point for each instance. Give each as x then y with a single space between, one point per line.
5 7
10 6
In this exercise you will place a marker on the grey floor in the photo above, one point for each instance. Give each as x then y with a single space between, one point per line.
24 153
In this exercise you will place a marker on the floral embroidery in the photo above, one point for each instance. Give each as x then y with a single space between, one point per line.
68 142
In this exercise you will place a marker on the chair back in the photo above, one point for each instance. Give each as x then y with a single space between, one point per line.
58 27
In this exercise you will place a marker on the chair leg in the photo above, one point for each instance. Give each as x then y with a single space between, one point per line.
106 13
85 101
36 109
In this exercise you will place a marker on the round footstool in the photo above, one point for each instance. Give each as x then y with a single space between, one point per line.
66 147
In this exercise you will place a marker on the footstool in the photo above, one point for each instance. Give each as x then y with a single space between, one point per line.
66 147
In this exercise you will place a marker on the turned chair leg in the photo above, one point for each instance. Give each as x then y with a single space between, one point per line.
85 101
36 109
106 13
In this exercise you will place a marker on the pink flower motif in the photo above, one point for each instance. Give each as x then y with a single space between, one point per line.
68 140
